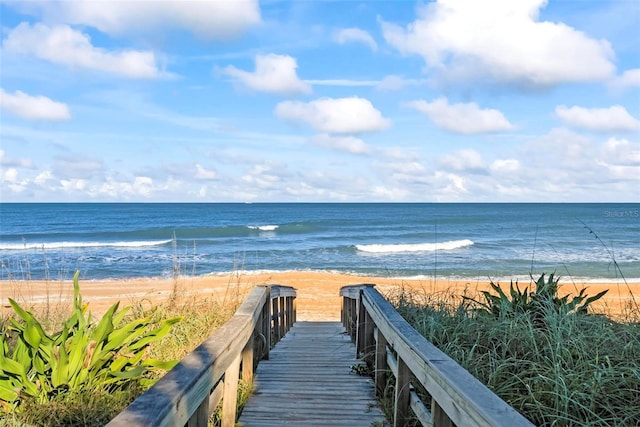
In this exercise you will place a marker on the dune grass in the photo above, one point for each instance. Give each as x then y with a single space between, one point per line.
570 369
201 315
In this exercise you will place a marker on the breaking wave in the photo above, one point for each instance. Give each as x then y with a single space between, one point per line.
263 227
415 247
69 245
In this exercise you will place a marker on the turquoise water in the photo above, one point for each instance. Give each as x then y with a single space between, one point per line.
498 241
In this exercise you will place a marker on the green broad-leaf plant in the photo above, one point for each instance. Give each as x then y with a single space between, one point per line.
537 303
83 356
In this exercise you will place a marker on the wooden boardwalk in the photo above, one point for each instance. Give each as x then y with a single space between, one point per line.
308 381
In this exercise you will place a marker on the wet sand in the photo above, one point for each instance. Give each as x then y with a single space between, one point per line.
317 292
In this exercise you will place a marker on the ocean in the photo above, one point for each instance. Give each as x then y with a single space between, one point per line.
597 242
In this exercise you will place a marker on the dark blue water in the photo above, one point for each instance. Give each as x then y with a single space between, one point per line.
398 240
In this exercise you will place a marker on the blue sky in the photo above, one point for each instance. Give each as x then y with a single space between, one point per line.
320 101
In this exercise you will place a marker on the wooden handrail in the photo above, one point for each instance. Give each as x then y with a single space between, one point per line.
189 392
385 340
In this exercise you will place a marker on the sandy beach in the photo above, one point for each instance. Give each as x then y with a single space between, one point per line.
317 291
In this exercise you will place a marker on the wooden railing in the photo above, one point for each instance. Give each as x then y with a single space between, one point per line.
192 390
388 343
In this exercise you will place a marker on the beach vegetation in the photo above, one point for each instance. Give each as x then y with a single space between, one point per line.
537 303
547 356
82 358
200 316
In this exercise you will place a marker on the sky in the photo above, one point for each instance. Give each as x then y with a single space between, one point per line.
320 101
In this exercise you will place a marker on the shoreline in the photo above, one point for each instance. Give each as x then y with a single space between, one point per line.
318 291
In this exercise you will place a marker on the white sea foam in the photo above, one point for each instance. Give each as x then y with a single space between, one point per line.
415 247
69 245
264 227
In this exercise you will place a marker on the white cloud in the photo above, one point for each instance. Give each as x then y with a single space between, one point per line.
64 45
614 118
273 74
464 160
621 152
207 19
23 163
10 175
350 144
43 178
334 115
33 107
263 176
502 40
205 174
505 166
462 118
449 185
357 35
629 79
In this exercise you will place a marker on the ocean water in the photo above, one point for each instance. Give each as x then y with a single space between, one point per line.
471 241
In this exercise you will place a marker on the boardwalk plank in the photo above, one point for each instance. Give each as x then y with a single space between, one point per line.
308 381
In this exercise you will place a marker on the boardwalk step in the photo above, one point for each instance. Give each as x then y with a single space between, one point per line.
309 381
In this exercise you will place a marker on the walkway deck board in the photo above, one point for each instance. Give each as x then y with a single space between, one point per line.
308 381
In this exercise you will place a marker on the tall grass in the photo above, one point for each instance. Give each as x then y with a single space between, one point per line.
576 370
202 314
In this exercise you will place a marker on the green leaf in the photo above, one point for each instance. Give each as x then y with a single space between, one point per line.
7 393
159 364
12 368
128 332
33 333
105 326
155 335
60 369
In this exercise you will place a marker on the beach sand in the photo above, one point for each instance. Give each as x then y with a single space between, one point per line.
317 292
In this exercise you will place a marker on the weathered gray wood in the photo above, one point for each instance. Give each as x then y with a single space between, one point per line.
184 395
276 319
368 352
381 366
464 399
201 415
247 361
230 393
402 394
177 396
265 333
420 411
360 328
440 418
309 381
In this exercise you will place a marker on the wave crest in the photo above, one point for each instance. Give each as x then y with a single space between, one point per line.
263 227
70 245
415 247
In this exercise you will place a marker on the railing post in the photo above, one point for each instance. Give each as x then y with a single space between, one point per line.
369 342
283 324
230 394
360 331
290 312
275 315
402 395
439 417
200 418
247 361
381 363
266 324
353 321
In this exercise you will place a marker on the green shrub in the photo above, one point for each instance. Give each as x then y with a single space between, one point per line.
538 303
577 370
82 357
